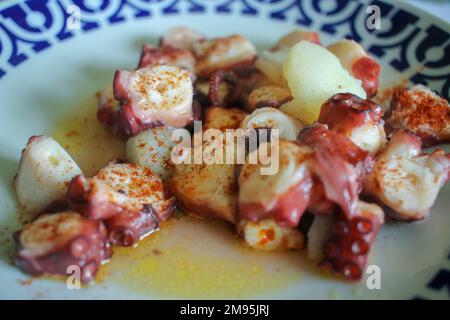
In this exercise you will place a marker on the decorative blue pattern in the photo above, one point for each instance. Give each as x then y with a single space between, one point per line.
32 26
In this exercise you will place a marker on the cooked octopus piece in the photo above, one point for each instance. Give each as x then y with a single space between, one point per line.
348 247
221 95
338 164
154 96
180 38
267 234
45 170
357 119
407 180
271 118
108 112
294 37
222 54
421 111
231 88
223 118
54 242
208 189
168 55
320 138
129 198
268 96
283 196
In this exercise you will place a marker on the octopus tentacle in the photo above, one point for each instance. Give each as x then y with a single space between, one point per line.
348 247
357 119
154 96
129 198
54 242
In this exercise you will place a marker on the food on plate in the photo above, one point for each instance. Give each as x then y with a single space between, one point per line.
54 242
294 37
360 65
267 234
129 198
318 234
223 118
407 180
268 96
338 166
340 163
271 118
359 120
283 196
222 54
232 87
152 56
206 190
270 62
154 96
108 112
45 171
219 95
152 149
421 111
314 74
348 247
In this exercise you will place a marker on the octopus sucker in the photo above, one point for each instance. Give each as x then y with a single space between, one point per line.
54 242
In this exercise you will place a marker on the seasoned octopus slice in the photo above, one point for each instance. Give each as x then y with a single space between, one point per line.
54 242
129 198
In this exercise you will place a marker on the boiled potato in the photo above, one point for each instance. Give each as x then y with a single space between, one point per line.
45 170
152 149
314 74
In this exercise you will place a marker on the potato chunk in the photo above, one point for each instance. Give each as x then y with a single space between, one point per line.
314 74
152 149
44 173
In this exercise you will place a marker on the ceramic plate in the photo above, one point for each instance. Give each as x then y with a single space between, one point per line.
50 71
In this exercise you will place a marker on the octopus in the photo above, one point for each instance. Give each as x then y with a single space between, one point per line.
130 199
357 119
166 54
220 54
154 96
405 179
283 196
421 111
349 243
54 242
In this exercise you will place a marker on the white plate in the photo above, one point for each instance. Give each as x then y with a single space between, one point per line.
47 72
